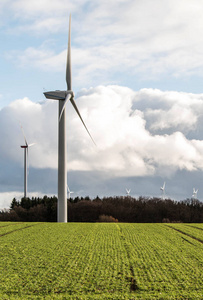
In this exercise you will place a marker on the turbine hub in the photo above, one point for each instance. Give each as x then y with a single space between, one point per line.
71 93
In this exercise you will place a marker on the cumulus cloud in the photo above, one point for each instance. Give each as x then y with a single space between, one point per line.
125 145
170 110
177 116
6 198
38 122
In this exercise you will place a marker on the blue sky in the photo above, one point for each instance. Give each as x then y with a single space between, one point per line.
137 75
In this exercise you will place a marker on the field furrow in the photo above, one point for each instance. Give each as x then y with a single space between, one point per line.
5 224
191 231
198 226
12 227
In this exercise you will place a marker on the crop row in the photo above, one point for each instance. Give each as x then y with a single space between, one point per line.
162 260
122 261
74 258
196 225
187 229
11 227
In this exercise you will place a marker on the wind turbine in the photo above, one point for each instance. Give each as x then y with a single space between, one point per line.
127 192
194 195
69 192
162 188
25 147
63 97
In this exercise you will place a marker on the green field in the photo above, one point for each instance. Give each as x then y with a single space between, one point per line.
101 261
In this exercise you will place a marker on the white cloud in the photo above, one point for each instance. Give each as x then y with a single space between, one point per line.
169 109
39 122
173 152
6 198
125 147
127 144
177 116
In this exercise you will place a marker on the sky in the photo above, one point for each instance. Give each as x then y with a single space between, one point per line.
137 73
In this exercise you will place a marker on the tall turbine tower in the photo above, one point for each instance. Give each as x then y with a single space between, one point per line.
25 147
69 192
128 192
162 188
194 195
63 97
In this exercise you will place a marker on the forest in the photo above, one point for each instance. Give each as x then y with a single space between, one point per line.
108 209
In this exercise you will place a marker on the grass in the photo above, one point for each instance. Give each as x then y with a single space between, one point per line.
101 261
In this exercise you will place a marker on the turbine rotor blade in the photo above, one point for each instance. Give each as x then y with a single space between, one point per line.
64 105
77 111
23 134
68 63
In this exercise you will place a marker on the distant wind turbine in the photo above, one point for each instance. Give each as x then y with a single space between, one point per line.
69 192
64 97
25 147
127 192
162 188
194 195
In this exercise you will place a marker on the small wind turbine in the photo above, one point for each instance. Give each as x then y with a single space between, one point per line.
64 97
194 195
128 192
162 188
69 192
25 147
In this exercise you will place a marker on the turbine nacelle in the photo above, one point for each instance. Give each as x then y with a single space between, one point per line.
26 146
69 192
162 188
59 95
194 195
56 95
128 192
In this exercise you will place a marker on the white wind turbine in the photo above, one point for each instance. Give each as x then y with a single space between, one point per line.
64 97
128 192
162 188
25 147
194 195
69 192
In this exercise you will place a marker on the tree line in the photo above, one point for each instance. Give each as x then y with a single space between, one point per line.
107 209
